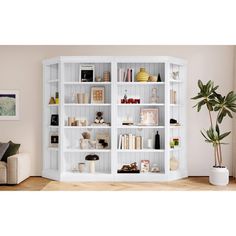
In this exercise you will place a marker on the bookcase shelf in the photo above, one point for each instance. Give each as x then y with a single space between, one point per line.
63 75
140 150
140 83
140 104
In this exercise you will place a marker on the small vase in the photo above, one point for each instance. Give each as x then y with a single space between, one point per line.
174 163
142 76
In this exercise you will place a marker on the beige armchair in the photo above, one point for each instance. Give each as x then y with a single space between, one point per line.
16 169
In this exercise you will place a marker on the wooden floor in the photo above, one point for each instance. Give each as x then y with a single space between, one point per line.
188 184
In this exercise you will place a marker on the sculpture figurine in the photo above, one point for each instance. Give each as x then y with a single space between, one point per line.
99 119
154 97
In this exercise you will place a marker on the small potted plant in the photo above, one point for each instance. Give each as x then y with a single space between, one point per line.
222 106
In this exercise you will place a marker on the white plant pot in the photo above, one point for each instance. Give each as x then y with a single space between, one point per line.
219 176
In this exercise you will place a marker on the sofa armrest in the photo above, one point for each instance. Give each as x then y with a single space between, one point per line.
18 168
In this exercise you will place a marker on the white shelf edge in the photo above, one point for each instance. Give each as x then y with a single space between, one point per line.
140 150
53 81
175 81
175 126
87 104
53 148
140 127
140 83
53 105
140 104
87 127
87 83
87 150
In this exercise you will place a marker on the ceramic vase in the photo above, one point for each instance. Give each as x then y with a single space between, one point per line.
142 75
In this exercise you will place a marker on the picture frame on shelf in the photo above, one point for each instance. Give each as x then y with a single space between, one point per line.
9 105
145 166
87 73
54 120
54 140
103 141
149 116
97 95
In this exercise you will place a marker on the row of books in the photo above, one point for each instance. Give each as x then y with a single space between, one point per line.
130 141
126 75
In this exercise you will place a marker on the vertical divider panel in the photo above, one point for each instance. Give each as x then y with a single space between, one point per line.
167 118
61 156
45 115
184 119
114 117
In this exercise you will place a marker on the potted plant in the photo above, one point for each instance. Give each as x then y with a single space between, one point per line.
222 106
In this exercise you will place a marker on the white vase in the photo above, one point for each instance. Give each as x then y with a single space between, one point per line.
219 176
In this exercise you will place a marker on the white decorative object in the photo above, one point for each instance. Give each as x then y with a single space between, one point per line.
149 116
219 176
154 97
149 143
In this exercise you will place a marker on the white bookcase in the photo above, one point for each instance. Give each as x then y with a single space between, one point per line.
62 75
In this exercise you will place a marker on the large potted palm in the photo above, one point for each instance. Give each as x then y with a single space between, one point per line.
223 106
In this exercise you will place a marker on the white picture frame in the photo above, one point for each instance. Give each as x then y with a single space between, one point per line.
9 105
149 116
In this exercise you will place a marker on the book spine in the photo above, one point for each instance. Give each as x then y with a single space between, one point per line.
122 142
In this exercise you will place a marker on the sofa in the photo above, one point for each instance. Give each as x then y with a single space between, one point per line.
16 169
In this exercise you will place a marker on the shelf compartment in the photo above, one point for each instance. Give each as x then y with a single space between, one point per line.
133 113
72 159
151 68
72 70
125 158
144 93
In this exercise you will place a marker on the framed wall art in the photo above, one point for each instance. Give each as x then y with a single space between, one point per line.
87 73
9 105
97 95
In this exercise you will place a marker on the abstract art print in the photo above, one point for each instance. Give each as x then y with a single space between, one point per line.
9 105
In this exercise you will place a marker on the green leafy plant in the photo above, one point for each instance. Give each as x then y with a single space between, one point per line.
223 106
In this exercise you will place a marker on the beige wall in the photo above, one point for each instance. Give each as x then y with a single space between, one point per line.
20 68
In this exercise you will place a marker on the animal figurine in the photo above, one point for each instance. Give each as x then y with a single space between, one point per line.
99 119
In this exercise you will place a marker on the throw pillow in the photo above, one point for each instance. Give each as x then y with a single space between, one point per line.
3 148
12 150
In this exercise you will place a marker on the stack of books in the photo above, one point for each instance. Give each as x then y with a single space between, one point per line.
130 141
126 75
